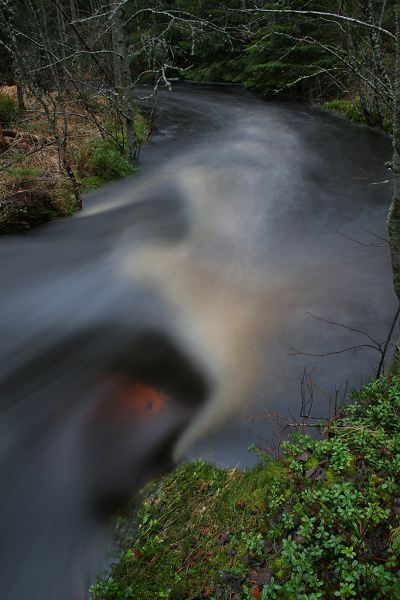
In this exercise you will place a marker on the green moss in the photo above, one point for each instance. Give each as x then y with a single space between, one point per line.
312 462
91 182
197 522
33 208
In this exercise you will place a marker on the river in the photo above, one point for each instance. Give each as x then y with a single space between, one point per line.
219 270
313 188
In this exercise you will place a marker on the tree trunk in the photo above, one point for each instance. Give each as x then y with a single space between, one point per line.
63 43
394 211
123 81
20 98
76 44
60 132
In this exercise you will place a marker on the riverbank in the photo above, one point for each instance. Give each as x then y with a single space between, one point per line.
352 109
34 187
322 521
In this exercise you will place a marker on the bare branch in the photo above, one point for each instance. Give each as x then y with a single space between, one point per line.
359 242
296 352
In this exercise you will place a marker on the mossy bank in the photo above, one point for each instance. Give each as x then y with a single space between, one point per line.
321 522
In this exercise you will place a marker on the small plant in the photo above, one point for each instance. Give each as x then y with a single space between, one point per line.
352 109
338 531
109 162
253 542
8 109
102 161
91 182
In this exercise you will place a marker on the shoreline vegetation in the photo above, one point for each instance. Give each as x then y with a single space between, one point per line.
352 109
319 521
34 187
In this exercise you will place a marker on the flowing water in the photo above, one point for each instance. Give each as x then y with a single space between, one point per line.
217 272
313 192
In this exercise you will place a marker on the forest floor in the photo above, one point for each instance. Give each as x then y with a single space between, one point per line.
320 521
34 188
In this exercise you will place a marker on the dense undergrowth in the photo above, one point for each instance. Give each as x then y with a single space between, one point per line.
321 522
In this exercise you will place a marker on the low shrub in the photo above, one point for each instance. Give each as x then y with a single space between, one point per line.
8 109
102 159
142 126
352 109
109 162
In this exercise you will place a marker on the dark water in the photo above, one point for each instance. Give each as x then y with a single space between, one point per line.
197 278
302 180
